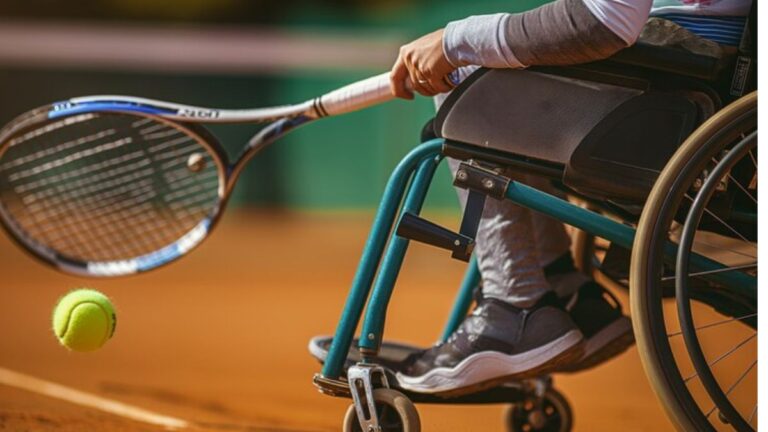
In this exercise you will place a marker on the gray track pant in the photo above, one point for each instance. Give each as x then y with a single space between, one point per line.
514 243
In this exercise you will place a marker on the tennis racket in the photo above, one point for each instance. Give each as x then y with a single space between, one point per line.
115 185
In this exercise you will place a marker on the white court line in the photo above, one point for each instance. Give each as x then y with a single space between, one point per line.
58 391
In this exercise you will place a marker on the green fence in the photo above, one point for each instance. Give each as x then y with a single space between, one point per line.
337 163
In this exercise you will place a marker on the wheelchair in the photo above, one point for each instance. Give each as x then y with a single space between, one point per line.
659 147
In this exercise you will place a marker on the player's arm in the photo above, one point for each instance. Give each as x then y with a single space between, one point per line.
559 33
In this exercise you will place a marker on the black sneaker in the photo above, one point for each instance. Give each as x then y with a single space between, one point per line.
607 331
496 343
595 311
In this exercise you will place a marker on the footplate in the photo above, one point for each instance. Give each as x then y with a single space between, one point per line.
331 387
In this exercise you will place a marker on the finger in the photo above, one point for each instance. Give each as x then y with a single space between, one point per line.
417 81
397 80
440 85
427 83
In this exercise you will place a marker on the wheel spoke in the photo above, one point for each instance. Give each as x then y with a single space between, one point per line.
741 377
716 323
730 228
722 356
715 246
752 416
725 224
733 386
711 410
754 160
733 180
743 189
722 270
725 249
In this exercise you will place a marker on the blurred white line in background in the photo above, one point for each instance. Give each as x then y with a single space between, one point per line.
58 391
185 49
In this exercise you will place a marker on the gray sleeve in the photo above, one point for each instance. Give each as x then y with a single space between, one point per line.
559 33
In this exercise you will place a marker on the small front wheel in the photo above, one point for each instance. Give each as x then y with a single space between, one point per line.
396 413
551 414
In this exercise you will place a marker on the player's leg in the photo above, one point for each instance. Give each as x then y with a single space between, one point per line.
517 329
608 332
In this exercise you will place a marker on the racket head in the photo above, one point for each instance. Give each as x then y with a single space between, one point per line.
109 189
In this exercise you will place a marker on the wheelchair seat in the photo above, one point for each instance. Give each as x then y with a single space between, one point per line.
610 126
607 127
609 135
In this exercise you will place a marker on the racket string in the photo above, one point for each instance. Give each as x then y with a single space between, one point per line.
50 127
129 210
108 187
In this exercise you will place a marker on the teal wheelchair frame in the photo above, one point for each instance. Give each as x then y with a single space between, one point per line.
376 276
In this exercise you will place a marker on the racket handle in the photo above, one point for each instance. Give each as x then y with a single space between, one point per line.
362 94
355 96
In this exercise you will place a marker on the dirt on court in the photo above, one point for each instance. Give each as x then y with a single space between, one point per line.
219 338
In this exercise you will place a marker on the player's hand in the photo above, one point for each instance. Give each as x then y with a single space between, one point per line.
424 62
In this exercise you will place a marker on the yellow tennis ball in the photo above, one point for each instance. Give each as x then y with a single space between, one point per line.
84 320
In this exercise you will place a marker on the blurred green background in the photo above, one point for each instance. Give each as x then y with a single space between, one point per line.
339 163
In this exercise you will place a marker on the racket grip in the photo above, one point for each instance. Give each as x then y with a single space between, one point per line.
355 96
362 94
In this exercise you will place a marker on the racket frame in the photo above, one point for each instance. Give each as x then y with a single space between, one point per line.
355 96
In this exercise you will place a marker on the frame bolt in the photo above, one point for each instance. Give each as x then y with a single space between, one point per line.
371 336
461 175
488 183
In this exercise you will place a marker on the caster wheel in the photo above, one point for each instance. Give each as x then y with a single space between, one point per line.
395 411
553 415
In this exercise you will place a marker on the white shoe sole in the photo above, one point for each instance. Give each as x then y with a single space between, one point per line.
484 369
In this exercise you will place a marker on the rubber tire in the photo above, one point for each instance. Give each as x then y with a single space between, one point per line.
664 382
406 410
554 398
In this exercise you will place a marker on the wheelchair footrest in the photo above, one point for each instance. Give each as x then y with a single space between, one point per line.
421 230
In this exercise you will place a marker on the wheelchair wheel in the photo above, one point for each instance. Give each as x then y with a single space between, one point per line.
396 413
551 414
699 349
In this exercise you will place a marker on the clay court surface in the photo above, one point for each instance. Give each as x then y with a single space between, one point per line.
218 339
